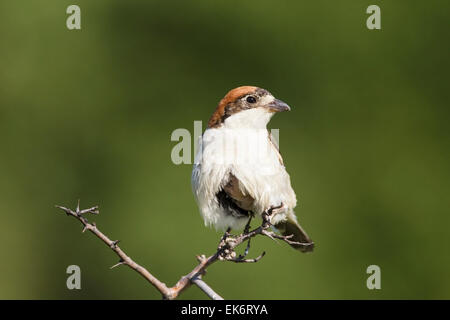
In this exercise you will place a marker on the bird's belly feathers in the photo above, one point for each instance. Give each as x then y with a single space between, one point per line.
251 157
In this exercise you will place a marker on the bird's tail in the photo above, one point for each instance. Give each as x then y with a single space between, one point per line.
292 227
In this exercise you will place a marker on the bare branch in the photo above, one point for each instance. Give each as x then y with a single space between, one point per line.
205 288
225 252
124 259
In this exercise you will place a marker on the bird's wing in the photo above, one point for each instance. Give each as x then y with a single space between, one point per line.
234 197
238 193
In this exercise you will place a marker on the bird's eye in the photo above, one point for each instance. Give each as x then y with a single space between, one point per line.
251 99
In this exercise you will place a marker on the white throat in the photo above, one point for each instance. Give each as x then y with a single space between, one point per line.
256 118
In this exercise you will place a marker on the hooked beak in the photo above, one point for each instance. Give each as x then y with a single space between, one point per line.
278 106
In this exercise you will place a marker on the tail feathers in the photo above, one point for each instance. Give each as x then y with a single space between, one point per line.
290 227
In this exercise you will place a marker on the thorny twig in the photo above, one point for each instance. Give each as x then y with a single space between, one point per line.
225 251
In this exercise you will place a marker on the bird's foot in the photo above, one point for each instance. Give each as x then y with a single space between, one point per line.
247 226
241 259
274 210
247 249
226 244
226 249
228 253
267 214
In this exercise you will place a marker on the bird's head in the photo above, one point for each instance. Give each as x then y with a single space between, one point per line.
246 107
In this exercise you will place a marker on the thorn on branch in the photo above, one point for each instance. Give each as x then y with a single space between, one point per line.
114 244
78 212
93 210
121 262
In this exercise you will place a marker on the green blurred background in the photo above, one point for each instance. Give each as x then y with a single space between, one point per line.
88 114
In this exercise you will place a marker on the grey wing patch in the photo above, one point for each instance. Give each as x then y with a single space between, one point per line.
233 199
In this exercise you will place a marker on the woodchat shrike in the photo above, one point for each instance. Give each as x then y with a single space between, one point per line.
239 172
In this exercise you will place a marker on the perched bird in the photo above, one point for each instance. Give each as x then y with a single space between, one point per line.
238 171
